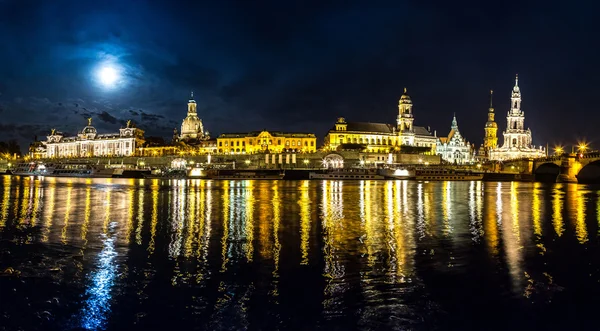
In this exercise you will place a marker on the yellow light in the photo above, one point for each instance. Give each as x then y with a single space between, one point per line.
478 165
306 161
401 173
247 161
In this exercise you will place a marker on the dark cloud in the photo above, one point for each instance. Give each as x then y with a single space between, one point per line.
106 117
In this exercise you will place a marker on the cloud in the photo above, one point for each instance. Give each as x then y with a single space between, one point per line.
106 117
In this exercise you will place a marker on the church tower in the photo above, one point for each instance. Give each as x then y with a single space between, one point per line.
192 106
405 115
490 140
191 127
515 136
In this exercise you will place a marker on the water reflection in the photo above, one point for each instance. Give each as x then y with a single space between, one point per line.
234 254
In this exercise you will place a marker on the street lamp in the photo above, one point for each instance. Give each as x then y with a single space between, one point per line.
558 150
247 162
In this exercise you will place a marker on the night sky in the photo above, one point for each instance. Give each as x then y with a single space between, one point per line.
297 65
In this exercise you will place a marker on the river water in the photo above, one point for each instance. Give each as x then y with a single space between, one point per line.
398 255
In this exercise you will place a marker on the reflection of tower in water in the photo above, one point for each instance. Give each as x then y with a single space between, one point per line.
576 206
557 209
332 215
304 221
7 183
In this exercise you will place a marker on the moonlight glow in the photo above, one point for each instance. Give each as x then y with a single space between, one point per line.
108 75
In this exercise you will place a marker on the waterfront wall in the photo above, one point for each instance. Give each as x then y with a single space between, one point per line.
267 161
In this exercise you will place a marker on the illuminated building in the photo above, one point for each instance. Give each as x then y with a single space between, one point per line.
382 137
191 127
37 149
266 142
490 140
88 143
517 140
454 148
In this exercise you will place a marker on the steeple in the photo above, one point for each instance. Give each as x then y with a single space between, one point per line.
516 89
405 117
192 105
454 123
491 104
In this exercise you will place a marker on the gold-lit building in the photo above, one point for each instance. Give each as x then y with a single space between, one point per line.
490 140
383 137
266 142
191 126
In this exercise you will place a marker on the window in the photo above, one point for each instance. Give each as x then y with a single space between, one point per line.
278 141
287 143
299 143
293 143
306 143
237 143
312 143
243 143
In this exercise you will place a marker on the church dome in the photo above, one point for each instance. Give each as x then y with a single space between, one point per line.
405 98
89 129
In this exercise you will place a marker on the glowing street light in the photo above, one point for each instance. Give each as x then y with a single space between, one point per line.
558 150
306 161
247 162
582 147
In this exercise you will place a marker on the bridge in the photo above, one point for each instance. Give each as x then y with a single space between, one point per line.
568 168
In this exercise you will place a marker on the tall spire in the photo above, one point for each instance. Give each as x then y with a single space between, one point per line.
454 123
517 80
491 97
405 90
192 97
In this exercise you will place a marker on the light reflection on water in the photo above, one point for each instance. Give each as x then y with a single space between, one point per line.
274 254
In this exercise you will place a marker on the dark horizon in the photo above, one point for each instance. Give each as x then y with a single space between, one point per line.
296 67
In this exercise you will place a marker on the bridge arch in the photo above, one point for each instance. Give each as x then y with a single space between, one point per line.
546 172
589 173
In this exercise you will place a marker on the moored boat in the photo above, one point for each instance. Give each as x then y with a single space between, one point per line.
435 174
346 173
397 173
245 174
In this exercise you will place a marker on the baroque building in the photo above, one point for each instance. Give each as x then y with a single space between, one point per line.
191 127
266 142
383 137
490 140
517 141
454 148
88 143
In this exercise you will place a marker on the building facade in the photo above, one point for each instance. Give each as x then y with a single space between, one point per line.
383 137
454 148
88 143
266 142
490 140
192 127
517 140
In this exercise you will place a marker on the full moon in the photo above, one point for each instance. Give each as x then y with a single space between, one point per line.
108 76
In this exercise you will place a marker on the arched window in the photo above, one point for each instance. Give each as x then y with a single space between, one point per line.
514 142
515 126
